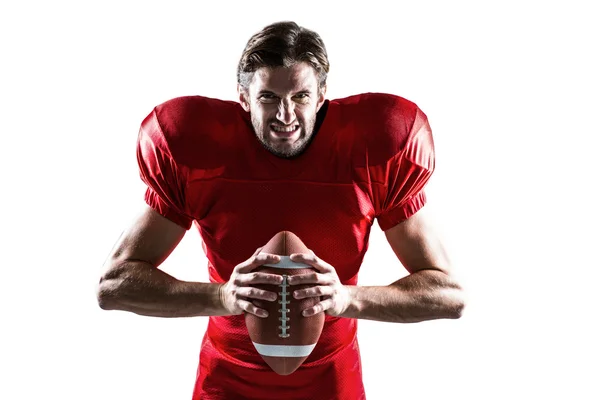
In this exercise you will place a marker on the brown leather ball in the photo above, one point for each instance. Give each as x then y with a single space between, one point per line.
285 338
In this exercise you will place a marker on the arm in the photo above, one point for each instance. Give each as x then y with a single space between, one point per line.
132 281
429 292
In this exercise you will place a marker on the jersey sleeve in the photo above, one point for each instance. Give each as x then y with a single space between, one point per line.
166 180
400 192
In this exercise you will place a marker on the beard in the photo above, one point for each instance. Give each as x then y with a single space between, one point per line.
282 148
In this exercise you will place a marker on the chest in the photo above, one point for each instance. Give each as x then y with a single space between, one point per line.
237 216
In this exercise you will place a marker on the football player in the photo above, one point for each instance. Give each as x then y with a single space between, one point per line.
283 157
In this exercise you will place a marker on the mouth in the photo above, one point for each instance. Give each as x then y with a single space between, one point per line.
286 132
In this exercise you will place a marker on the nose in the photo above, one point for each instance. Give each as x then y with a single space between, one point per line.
286 113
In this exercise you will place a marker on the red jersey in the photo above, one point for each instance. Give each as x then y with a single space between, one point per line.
369 159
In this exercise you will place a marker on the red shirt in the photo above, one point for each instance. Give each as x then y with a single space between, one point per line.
370 157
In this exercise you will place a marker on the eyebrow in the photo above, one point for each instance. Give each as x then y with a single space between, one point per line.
265 91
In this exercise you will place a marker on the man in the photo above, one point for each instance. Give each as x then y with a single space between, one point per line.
283 158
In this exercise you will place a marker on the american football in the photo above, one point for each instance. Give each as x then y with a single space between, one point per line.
285 338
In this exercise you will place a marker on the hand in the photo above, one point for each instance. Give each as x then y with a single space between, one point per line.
237 293
336 297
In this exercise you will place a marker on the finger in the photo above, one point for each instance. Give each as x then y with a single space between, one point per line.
248 261
257 278
256 252
256 261
316 291
312 260
318 308
251 308
311 278
254 293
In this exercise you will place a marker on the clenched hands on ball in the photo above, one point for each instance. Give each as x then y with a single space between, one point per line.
239 291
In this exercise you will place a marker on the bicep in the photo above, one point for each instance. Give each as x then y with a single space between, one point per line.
417 244
151 238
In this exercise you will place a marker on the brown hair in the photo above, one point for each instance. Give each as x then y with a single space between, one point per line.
283 44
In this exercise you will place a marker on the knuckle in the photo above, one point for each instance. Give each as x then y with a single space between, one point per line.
262 278
267 278
258 312
237 280
261 259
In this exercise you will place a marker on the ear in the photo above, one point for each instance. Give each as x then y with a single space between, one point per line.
322 92
243 98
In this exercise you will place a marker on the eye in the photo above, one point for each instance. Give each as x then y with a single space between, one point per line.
267 97
302 98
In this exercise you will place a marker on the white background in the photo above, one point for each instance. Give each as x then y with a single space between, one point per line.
511 91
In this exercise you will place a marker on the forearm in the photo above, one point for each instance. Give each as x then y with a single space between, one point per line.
143 289
421 296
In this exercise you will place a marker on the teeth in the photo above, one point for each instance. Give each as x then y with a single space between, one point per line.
282 129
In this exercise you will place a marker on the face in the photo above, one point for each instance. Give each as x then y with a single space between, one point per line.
283 104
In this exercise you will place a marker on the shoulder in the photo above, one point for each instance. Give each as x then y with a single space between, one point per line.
193 128
381 124
183 113
379 109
